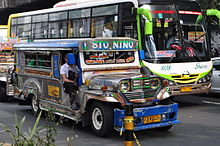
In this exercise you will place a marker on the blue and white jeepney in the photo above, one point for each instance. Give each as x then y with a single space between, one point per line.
109 78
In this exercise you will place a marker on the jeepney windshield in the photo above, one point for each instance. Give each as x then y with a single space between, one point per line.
108 57
177 37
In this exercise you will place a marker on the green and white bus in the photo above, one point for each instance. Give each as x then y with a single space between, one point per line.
172 34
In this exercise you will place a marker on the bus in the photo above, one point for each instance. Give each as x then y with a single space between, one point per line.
171 33
6 62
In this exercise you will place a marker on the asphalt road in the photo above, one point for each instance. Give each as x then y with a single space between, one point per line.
199 116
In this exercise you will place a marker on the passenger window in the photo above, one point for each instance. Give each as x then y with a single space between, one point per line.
104 26
79 28
38 60
13 27
58 29
127 26
39 30
58 25
104 21
79 23
40 26
24 31
24 27
216 64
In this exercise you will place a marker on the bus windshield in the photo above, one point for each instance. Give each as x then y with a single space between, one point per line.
176 35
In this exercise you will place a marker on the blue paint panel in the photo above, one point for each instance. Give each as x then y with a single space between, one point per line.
49 44
168 110
56 72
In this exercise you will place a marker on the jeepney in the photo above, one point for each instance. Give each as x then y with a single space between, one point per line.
6 65
109 78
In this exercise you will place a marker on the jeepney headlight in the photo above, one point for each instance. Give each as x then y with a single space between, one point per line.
155 83
3 69
124 86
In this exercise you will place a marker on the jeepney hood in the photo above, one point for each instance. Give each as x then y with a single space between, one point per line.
139 88
109 80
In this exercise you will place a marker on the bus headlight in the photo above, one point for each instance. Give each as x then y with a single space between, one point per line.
206 78
124 86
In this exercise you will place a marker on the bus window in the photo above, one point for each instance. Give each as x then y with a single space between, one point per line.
24 31
58 25
13 27
128 24
104 20
79 23
40 26
3 34
24 27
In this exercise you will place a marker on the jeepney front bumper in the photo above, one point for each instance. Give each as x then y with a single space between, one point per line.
149 117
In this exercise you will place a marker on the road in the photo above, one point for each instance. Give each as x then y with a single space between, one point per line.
199 116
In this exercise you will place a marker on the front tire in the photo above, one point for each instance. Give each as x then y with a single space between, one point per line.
101 119
35 105
165 128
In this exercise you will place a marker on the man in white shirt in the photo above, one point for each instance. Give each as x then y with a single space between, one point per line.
69 72
108 30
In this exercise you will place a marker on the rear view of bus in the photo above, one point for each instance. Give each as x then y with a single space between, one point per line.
177 49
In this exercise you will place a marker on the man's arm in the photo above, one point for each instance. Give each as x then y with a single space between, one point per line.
65 79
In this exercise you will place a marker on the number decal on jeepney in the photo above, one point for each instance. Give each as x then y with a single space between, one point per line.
53 91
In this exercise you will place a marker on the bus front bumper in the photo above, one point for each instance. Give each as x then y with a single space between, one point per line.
193 89
167 114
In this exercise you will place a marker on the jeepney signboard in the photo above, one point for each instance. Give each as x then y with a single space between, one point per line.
108 44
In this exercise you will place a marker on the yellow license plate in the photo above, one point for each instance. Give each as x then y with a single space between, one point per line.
152 119
186 89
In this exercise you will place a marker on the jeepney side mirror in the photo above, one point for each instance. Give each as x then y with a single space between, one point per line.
71 59
142 54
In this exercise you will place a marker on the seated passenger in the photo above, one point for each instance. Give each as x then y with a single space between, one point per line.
69 72
108 29
31 63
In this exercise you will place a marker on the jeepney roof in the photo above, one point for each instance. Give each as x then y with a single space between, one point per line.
47 45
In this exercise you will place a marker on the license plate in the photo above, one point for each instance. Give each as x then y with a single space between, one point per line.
152 119
186 89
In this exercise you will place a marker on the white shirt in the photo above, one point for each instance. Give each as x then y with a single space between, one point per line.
107 33
65 69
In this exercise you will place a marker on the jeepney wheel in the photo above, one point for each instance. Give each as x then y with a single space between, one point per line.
167 101
3 96
165 128
35 105
101 119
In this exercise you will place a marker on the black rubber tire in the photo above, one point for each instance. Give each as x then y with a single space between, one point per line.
3 96
24 102
35 105
166 101
165 128
106 118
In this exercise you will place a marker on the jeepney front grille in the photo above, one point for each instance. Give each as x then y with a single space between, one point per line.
141 89
181 79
